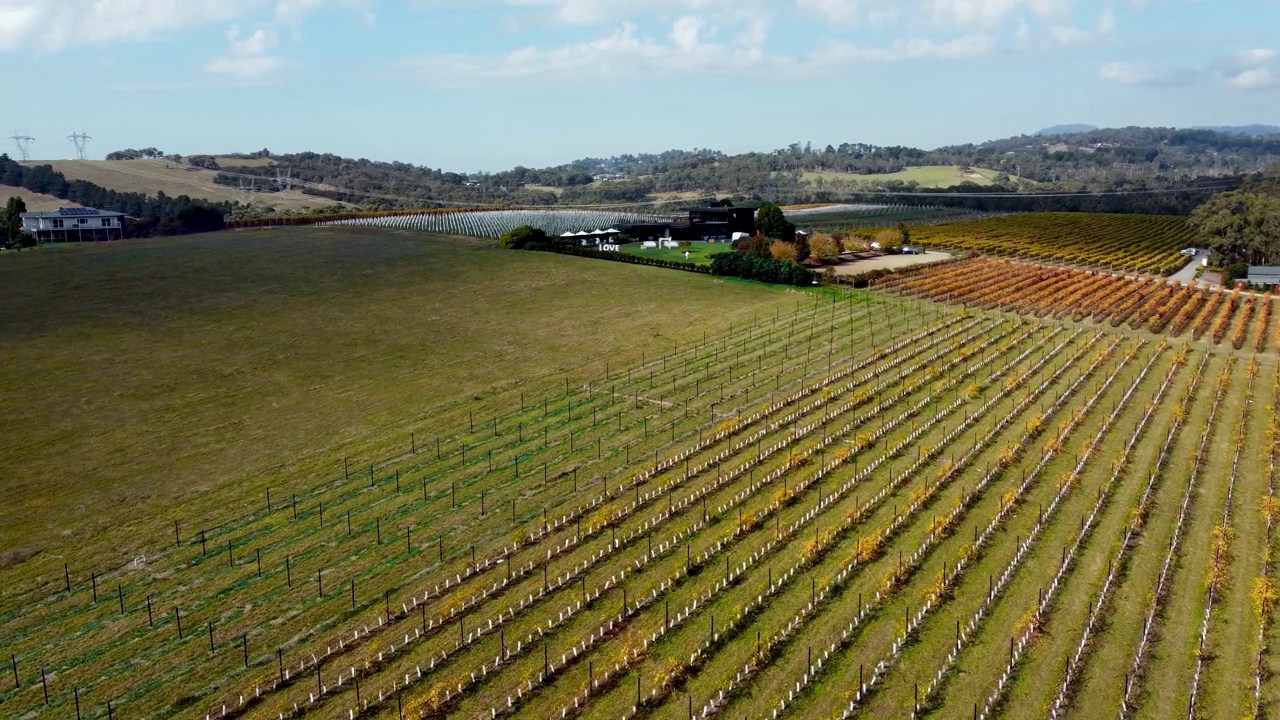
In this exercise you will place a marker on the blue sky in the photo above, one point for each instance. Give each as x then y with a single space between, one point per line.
471 85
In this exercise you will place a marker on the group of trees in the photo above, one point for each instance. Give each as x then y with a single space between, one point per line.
131 154
1242 228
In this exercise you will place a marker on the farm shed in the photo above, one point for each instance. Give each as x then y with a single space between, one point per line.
1264 275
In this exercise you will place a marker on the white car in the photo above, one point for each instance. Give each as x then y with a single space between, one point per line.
1188 251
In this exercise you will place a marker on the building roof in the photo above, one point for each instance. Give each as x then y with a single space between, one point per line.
76 212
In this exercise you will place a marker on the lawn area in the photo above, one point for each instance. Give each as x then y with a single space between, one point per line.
699 252
158 375
932 176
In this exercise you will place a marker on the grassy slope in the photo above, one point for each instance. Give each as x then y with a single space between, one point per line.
151 176
933 176
36 202
157 373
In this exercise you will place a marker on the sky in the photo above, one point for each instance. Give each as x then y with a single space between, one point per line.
486 85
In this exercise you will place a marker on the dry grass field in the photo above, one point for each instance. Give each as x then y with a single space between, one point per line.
151 176
36 202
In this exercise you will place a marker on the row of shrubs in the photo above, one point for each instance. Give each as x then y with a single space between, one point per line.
753 267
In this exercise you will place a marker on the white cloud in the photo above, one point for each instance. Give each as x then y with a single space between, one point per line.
684 34
1253 69
1254 79
1127 74
248 60
55 24
625 53
837 11
1107 23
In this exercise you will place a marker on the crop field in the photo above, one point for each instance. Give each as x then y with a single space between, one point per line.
1135 243
997 513
1242 319
843 218
495 223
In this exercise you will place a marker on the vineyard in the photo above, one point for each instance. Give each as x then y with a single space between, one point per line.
1243 319
997 514
1136 243
495 223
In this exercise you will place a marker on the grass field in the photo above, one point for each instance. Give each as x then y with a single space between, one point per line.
151 176
699 252
931 176
36 202
842 505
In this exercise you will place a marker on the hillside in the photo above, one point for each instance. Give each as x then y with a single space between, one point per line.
156 176
36 202
931 176
1099 159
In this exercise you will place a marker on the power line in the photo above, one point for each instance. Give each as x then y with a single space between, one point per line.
81 141
24 145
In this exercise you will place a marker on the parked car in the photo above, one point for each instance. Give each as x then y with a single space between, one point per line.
1188 251
909 251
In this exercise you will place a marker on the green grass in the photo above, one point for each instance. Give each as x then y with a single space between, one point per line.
699 252
930 176
166 371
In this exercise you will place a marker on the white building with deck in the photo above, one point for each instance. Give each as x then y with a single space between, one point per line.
74 225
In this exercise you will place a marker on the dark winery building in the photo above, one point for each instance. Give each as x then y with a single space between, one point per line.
700 223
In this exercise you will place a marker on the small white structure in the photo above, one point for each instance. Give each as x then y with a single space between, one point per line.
670 244
739 236
73 225
649 245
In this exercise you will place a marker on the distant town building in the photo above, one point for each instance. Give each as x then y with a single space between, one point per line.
73 225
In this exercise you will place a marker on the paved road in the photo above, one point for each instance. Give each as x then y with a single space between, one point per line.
1188 273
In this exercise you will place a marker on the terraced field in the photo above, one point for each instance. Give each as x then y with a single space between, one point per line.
874 506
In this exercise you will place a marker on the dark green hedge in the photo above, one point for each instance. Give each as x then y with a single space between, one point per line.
754 267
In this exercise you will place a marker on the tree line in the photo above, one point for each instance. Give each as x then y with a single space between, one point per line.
1158 170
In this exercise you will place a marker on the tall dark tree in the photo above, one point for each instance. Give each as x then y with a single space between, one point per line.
772 223
12 220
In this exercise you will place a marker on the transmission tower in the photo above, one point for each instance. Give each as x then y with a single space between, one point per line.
81 141
284 182
247 191
24 145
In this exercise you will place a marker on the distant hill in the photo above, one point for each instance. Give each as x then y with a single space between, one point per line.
1068 129
153 176
1247 130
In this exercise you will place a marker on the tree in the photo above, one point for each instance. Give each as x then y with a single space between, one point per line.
780 250
1241 228
523 237
12 220
824 247
890 240
772 223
